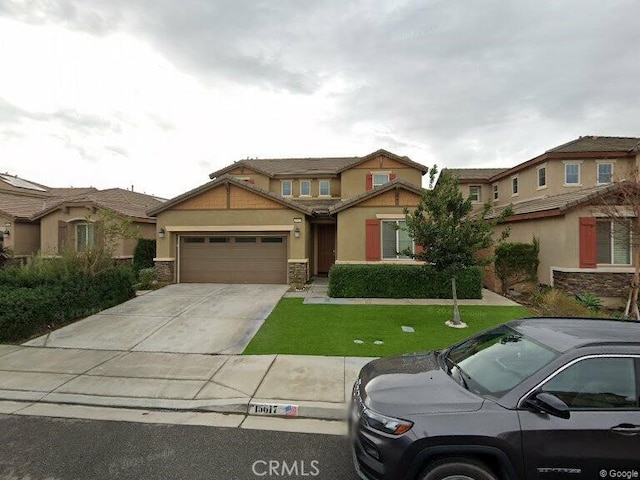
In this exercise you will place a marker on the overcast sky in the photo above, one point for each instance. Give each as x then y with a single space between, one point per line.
160 93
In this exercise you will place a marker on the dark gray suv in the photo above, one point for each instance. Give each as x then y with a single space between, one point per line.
539 398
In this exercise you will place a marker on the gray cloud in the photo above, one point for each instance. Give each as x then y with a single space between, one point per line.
478 82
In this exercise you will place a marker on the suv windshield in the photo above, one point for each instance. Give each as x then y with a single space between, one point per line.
496 361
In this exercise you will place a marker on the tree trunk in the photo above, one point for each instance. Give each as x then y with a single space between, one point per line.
456 311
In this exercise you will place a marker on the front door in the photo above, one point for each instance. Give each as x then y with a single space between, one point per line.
326 247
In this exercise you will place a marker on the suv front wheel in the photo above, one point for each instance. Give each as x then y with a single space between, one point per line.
457 469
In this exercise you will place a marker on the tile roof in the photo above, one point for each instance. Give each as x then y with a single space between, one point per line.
301 207
475 173
398 182
591 143
274 167
21 206
559 202
124 202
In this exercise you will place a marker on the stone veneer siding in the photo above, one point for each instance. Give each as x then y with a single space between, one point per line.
603 284
165 270
298 274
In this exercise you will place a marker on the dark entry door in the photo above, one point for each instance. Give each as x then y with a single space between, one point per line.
326 247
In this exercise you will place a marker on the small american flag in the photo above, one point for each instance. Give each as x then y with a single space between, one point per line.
291 411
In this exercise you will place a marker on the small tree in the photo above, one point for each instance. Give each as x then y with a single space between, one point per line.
450 233
622 205
517 262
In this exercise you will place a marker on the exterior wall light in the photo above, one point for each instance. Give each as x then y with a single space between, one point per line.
296 232
6 233
161 233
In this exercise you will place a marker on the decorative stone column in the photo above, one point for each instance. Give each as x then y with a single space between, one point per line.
165 269
298 273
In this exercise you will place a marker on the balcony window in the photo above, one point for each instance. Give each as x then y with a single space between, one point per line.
605 173
325 188
287 189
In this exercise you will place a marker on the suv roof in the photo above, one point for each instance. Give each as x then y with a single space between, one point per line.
563 334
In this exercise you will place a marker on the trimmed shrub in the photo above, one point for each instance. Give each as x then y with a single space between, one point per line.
516 263
144 254
31 300
401 281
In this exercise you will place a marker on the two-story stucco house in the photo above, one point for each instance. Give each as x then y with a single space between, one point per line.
36 218
557 197
283 220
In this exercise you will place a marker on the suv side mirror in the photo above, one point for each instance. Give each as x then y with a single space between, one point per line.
548 403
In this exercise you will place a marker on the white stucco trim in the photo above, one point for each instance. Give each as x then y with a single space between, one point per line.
298 260
164 259
378 262
229 228
390 216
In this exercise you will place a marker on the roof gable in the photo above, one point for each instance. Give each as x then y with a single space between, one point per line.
400 186
228 192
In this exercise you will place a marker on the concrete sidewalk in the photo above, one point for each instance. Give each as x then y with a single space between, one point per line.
281 385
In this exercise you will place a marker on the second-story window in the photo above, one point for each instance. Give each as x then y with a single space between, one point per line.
287 188
572 174
514 185
542 177
325 188
380 179
305 188
605 173
474 193
495 192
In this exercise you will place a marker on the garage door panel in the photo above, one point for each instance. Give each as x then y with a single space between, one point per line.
238 260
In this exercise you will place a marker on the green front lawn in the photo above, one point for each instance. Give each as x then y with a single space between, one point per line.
295 328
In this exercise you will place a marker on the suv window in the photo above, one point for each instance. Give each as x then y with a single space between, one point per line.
496 361
596 383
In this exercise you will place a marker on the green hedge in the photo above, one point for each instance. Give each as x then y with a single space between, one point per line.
30 301
144 254
401 281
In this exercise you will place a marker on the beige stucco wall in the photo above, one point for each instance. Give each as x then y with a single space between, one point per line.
27 238
75 215
486 192
259 180
528 179
177 222
354 180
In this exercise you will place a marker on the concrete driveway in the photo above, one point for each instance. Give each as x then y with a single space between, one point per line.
182 318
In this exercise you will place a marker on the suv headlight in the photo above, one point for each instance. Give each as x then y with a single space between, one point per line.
382 423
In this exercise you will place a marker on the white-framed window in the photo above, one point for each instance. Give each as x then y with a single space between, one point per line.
496 193
613 243
287 188
305 188
514 186
605 173
379 179
395 239
85 236
542 176
325 188
572 174
474 193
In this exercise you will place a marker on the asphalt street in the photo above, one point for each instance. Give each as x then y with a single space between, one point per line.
38 448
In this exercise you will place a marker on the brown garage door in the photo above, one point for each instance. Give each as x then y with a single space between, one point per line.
233 259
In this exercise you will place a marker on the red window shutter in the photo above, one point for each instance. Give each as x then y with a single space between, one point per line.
418 249
369 181
372 238
251 181
392 177
587 242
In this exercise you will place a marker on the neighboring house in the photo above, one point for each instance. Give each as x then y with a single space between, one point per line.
283 220
556 198
34 217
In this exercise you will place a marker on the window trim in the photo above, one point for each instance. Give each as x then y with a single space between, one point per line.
496 192
282 184
573 362
87 246
612 223
396 258
515 192
373 178
573 162
479 192
538 169
308 182
604 162
328 183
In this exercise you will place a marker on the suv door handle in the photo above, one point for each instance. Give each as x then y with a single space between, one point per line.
626 429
